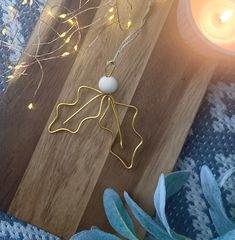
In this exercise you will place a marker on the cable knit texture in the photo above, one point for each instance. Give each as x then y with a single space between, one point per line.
19 24
212 142
14 229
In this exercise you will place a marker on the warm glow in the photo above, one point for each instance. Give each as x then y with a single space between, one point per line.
30 106
50 12
65 54
225 16
63 16
70 21
111 17
62 34
129 24
111 10
216 21
18 66
67 40
4 31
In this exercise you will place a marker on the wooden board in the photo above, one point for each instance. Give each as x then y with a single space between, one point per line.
169 94
58 174
21 128
68 173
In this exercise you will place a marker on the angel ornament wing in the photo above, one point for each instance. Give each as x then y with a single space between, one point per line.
104 102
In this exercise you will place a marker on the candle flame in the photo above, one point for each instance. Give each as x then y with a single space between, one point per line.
225 16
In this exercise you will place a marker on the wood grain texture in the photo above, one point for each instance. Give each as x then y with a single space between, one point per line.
62 188
64 168
168 95
21 128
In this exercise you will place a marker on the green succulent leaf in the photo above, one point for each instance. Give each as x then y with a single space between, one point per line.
94 234
221 222
225 177
212 194
160 203
228 236
175 181
146 221
117 215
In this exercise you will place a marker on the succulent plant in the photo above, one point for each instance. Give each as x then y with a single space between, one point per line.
158 227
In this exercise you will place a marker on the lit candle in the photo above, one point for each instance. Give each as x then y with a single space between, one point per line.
214 20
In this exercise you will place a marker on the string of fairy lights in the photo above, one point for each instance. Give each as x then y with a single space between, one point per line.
64 43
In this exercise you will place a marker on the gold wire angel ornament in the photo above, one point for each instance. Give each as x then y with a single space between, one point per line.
107 86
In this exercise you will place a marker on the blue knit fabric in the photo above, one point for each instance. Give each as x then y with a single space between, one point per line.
14 229
19 25
212 142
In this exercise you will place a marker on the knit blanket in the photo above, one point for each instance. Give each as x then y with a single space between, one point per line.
14 229
17 21
211 141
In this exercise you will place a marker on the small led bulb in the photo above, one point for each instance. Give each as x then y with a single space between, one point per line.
108 85
30 106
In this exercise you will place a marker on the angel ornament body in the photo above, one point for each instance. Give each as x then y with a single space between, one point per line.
107 86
